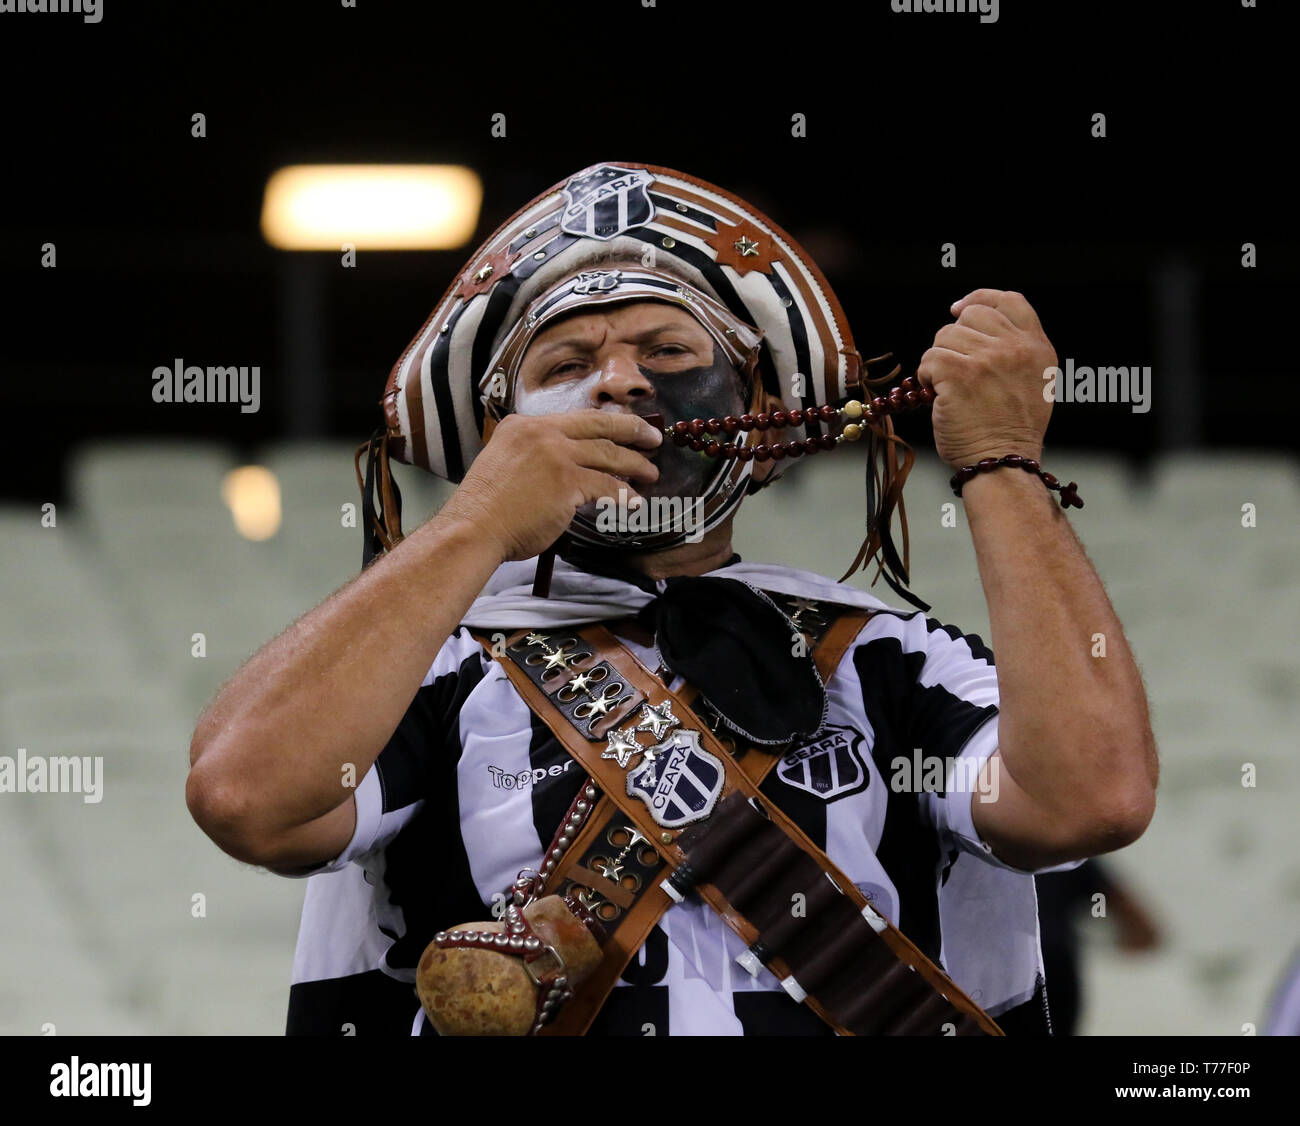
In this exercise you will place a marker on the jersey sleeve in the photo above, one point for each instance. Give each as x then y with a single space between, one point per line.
392 791
953 715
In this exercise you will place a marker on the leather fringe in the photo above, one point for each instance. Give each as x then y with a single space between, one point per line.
381 524
889 461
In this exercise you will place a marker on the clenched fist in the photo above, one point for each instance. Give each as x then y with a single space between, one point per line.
535 472
987 374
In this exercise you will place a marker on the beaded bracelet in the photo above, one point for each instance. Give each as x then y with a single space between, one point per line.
1069 493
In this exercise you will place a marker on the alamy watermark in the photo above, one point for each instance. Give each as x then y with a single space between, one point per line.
193 384
37 774
935 774
1099 385
102 1080
90 11
987 9
678 514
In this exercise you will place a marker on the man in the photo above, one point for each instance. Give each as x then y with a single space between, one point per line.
632 290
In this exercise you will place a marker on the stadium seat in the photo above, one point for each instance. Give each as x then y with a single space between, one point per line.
1209 488
111 476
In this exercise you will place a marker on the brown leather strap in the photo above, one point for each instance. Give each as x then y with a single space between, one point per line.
605 834
749 862
730 890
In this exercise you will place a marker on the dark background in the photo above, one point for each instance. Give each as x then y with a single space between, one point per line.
921 129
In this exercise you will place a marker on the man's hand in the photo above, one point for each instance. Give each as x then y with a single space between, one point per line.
987 374
536 471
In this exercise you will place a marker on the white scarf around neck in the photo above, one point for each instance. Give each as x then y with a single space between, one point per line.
577 597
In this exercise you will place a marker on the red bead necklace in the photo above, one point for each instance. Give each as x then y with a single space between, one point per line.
698 432
698 435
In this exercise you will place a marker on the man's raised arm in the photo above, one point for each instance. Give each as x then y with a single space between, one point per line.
1077 758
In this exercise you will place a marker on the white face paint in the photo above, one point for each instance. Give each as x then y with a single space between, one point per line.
557 398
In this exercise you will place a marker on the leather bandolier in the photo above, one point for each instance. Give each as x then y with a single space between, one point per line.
679 811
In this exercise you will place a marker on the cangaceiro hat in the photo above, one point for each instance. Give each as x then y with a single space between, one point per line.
438 407
667 220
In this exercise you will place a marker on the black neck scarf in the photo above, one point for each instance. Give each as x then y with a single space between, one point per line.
733 643
743 653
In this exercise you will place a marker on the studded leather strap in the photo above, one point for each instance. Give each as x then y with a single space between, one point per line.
689 816
595 844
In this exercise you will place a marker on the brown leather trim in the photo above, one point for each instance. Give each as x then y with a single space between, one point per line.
902 947
515 226
836 641
415 406
392 390
668 219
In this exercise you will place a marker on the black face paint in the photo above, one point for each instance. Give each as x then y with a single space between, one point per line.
712 390
709 391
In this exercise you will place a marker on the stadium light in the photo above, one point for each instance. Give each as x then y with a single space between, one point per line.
371 206
252 493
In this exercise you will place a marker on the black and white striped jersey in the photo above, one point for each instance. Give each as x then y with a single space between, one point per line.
472 785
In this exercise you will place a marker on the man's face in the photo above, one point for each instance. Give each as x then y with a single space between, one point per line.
642 357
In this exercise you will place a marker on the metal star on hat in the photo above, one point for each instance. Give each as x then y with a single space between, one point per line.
744 248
